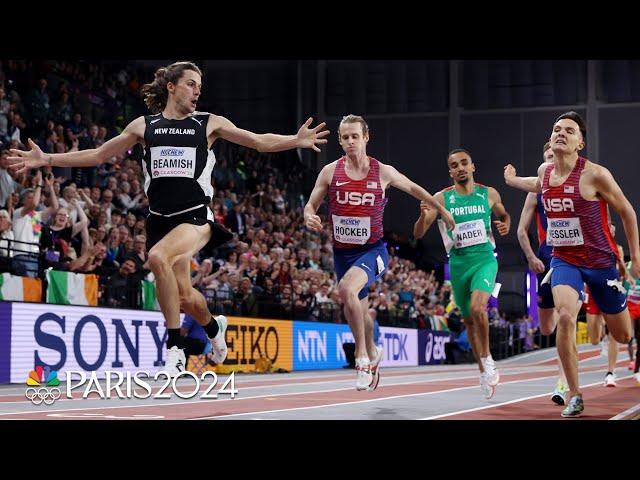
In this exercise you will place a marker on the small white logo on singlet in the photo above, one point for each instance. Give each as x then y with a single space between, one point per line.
196 120
154 121
339 184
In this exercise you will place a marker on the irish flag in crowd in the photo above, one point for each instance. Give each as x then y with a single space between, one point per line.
21 289
66 288
149 298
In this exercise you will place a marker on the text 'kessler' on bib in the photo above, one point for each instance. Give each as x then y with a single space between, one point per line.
470 233
564 232
356 230
173 162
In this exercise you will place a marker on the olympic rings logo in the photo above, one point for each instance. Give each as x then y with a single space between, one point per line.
42 394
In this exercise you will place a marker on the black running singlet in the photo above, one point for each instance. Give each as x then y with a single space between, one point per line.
177 163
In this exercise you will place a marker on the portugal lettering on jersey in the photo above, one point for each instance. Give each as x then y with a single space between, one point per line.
356 207
177 163
578 229
472 215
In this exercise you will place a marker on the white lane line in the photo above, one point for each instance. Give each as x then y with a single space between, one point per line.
372 399
146 405
522 399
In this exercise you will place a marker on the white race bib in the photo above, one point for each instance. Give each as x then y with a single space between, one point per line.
564 232
467 234
356 230
173 162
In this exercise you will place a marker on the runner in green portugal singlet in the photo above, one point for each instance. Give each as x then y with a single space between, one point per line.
470 247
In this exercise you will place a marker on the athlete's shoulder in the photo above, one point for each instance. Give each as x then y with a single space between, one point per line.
543 167
138 125
597 173
327 170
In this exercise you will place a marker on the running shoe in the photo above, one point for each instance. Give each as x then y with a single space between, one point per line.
575 407
375 369
176 361
218 343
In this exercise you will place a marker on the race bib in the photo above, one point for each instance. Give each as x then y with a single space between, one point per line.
173 162
355 230
467 234
564 232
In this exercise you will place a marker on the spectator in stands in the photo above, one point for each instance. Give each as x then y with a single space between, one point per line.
6 241
202 277
8 185
27 224
115 250
247 299
56 239
281 275
236 220
123 287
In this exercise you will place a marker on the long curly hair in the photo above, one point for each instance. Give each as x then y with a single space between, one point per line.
155 93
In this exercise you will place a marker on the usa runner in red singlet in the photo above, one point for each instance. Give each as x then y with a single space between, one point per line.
541 264
575 194
356 185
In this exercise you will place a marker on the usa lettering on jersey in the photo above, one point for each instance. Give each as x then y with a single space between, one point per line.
558 205
355 198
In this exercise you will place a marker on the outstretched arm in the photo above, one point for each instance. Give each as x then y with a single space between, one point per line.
611 192
311 220
400 181
220 127
35 158
503 224
528 184
528 210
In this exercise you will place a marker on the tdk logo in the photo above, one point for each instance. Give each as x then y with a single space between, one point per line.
396 346
172 152
355 198
558 205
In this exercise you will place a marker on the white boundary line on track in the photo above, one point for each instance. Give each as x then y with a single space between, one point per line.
372 399
400 396
30 412
435 417
627 413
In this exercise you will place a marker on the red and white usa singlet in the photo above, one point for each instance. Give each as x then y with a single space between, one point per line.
578 229
356 207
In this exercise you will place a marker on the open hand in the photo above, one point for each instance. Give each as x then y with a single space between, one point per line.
311 137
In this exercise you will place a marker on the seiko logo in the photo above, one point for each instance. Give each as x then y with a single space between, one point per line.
558 205
355 198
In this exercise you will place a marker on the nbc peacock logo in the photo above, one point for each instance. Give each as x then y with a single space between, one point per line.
42 383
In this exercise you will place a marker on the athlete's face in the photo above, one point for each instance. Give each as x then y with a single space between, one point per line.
548 155
187 91
461 167
352 140
566 137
